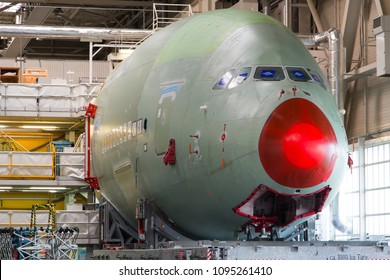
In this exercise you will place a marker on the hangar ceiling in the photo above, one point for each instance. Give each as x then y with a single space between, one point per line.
119 14
86 13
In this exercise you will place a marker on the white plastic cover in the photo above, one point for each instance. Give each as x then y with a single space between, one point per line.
19 97
36 99
86 221
26 164
81 97
55 98
18 218
4 164
71 164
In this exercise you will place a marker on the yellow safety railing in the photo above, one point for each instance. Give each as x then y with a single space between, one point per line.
28 165
41 165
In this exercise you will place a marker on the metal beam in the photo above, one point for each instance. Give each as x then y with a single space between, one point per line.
287 13
7 7
349 28
379 7
43 183
27 198
37 16
91 3
315 15
362 190
368 70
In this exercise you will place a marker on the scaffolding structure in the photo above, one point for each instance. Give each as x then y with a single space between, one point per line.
6 246
59 244
45 244
36 243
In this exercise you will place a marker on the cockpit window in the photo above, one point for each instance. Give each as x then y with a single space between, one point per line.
224 80
318 78
241 77
298 74
269 73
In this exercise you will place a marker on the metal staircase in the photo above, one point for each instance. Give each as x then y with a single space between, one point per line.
10 144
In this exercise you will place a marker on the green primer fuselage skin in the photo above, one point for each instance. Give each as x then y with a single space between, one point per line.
164 91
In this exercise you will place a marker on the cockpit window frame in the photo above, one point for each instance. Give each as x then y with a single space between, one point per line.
235 77
225 79
242 75
279 73
293 76
318 79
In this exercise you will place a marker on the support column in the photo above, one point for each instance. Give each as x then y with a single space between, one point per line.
90 200
362 190
72 136
90 61
287 14
70 202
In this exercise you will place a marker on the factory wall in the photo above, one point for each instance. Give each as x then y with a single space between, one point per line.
365 192
63 69
368 98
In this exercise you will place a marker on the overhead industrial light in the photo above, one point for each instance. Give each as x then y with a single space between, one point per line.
48 188
3 126
32 122
44 127
39 191
5 188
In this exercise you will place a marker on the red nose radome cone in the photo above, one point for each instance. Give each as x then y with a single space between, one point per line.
304 145
298 147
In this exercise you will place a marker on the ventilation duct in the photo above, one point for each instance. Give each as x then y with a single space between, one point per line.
82 33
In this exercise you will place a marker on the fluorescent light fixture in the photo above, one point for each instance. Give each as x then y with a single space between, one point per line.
38 191
11 9
5 188
3 126
48 188
45 127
